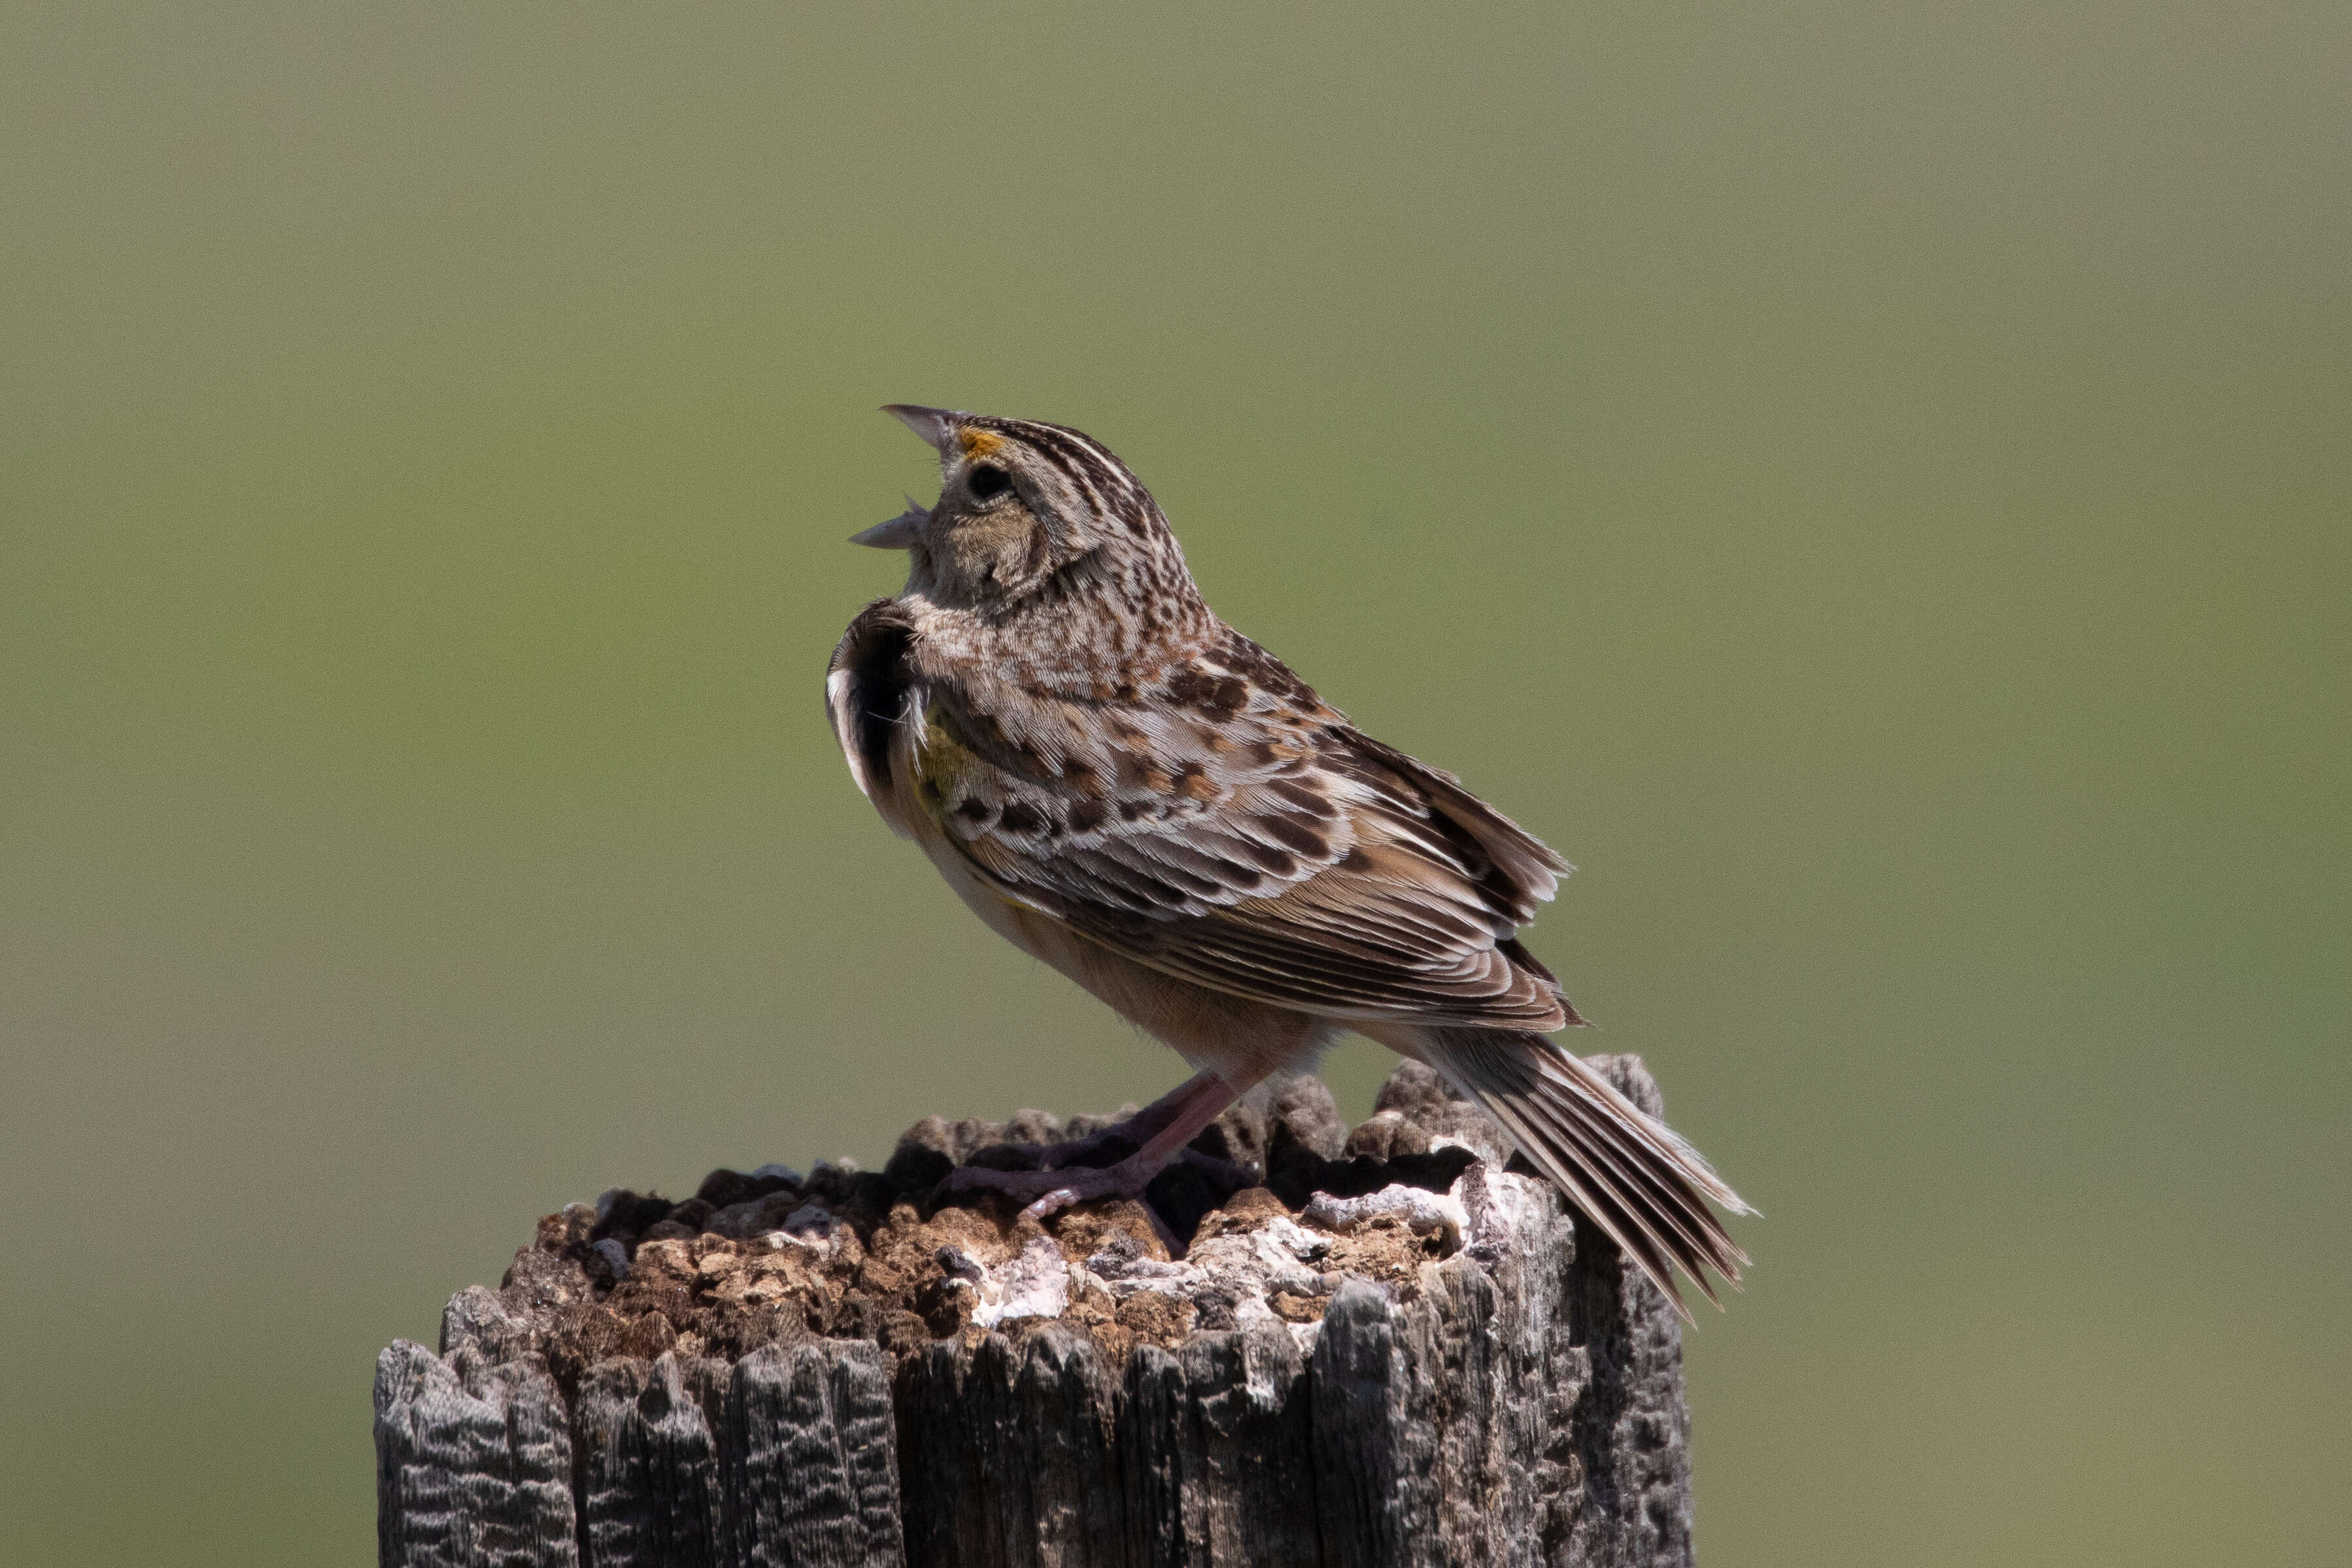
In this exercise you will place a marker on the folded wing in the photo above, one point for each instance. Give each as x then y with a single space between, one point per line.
1233 831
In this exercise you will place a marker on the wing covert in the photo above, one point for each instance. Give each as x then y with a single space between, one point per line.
1266 848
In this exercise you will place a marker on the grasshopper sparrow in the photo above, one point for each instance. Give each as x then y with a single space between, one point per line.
1124 786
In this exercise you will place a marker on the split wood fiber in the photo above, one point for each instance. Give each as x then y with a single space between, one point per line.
1513 1397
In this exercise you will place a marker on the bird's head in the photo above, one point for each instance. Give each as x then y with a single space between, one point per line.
1027 512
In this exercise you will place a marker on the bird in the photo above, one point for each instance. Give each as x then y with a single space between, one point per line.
1127 788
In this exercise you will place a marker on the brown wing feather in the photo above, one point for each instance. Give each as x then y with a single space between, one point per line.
1248 839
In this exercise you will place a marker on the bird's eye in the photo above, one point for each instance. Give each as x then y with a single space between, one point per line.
988 483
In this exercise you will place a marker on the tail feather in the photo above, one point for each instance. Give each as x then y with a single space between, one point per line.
1630 1173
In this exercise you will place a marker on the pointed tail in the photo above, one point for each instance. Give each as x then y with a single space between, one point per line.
1628 1173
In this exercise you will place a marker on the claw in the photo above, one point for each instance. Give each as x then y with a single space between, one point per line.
983 1178
1157 1133
1051 1192
1052 1203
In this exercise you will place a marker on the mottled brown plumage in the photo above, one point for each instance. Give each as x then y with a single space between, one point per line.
1136 793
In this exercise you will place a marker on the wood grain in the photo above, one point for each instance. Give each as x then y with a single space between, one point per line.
1517 1401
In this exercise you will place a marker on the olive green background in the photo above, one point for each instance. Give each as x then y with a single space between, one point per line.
1868 483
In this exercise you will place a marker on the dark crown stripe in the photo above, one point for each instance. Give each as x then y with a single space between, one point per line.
1063 459
1110 486
1081 451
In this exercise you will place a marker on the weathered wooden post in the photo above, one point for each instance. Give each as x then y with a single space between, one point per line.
1394 1352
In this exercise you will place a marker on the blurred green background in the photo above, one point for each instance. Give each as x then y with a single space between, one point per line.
1868 483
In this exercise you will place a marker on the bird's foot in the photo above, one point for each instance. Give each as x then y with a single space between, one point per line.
1121 1138
1098 1149
1023 1185
1163 1128
1050 1192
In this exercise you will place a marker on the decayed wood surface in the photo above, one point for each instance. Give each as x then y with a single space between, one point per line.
1456 1377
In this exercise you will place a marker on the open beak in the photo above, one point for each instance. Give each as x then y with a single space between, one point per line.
900 533
935 425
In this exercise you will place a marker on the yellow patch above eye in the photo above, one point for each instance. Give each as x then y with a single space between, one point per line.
978 443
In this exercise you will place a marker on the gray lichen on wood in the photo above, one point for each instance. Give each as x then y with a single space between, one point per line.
1395 1351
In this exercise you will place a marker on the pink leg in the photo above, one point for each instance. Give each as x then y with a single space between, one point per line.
1199 1102
1187 1111
1137 1129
